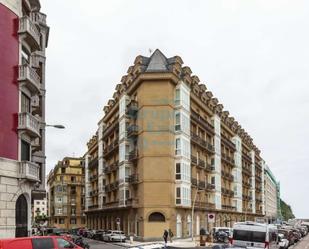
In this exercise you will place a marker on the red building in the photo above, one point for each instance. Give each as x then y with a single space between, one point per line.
23 39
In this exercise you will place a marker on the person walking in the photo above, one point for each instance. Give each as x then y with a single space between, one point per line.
171 235
165 235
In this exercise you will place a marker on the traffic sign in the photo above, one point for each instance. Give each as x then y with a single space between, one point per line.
211 218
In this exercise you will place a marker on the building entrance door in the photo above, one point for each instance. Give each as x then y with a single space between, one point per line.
21 216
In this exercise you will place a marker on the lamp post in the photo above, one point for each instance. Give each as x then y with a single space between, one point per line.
192 215
55 126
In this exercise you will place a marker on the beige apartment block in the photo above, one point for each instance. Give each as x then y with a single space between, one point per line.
66 196
164 146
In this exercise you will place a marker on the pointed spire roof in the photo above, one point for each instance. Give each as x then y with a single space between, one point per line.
157 62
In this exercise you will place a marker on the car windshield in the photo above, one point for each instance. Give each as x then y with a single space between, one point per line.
252 236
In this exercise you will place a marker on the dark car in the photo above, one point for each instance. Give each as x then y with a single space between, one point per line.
289 235
98 235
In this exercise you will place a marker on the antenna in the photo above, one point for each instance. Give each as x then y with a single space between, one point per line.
150 51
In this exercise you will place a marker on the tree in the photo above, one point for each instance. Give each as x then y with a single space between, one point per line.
286 211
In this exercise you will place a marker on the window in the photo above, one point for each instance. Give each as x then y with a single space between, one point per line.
37 203
178 147
127 194
177 121
59 211
61 221
178 171
73 211
122 151
25 151
25 103
178 195
156 217
59 199
72 221
62 243
62 170
24 56
177 97
73 179
183 171
46 243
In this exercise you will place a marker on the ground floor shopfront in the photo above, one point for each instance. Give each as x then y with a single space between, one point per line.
149 224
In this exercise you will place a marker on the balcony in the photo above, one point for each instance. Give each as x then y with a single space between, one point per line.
201 185
91 207
228 142
246 171
110 128
201 121
132 108
202 143
194 182
246 157
258 178
227 176
203 205
29 171
30 32
93 178
227 192
194 160
201 164
132 130
227 159
133 179
29 123
38 17
246 184
133 155
27 76
210 167
210 187
228 207
132 202
93 163
110 148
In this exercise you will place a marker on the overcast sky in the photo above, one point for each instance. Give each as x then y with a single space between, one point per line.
253 56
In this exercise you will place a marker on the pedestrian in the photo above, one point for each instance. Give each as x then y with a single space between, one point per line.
171 235
165 235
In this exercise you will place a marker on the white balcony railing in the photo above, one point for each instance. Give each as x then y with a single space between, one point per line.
28 122
27 26
29 76
29 170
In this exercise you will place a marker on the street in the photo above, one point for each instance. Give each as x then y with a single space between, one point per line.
94 244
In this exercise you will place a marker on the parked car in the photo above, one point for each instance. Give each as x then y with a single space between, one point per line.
283 242
288 234
98 235
297 235
255 235
41 242
114 235
227 230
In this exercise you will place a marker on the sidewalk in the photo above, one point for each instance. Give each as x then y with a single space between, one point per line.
178 243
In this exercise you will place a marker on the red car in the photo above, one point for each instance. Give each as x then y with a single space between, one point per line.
37 242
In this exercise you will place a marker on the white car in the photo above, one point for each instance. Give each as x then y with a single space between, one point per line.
283 243
114 235
255 235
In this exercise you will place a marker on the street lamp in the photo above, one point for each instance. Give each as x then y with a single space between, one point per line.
192 215
55 126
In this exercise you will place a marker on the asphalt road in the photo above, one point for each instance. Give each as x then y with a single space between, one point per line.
94 244
303 244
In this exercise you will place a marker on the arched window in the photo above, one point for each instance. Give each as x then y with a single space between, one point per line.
156 217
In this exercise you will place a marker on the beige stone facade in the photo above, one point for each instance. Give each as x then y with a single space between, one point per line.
164 145
66 194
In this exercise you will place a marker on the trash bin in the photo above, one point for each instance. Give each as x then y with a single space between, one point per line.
203 237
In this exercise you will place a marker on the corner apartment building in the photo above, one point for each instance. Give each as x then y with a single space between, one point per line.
272 197
165 145
66 194
23 39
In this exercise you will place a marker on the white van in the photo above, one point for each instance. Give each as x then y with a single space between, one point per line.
255 235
